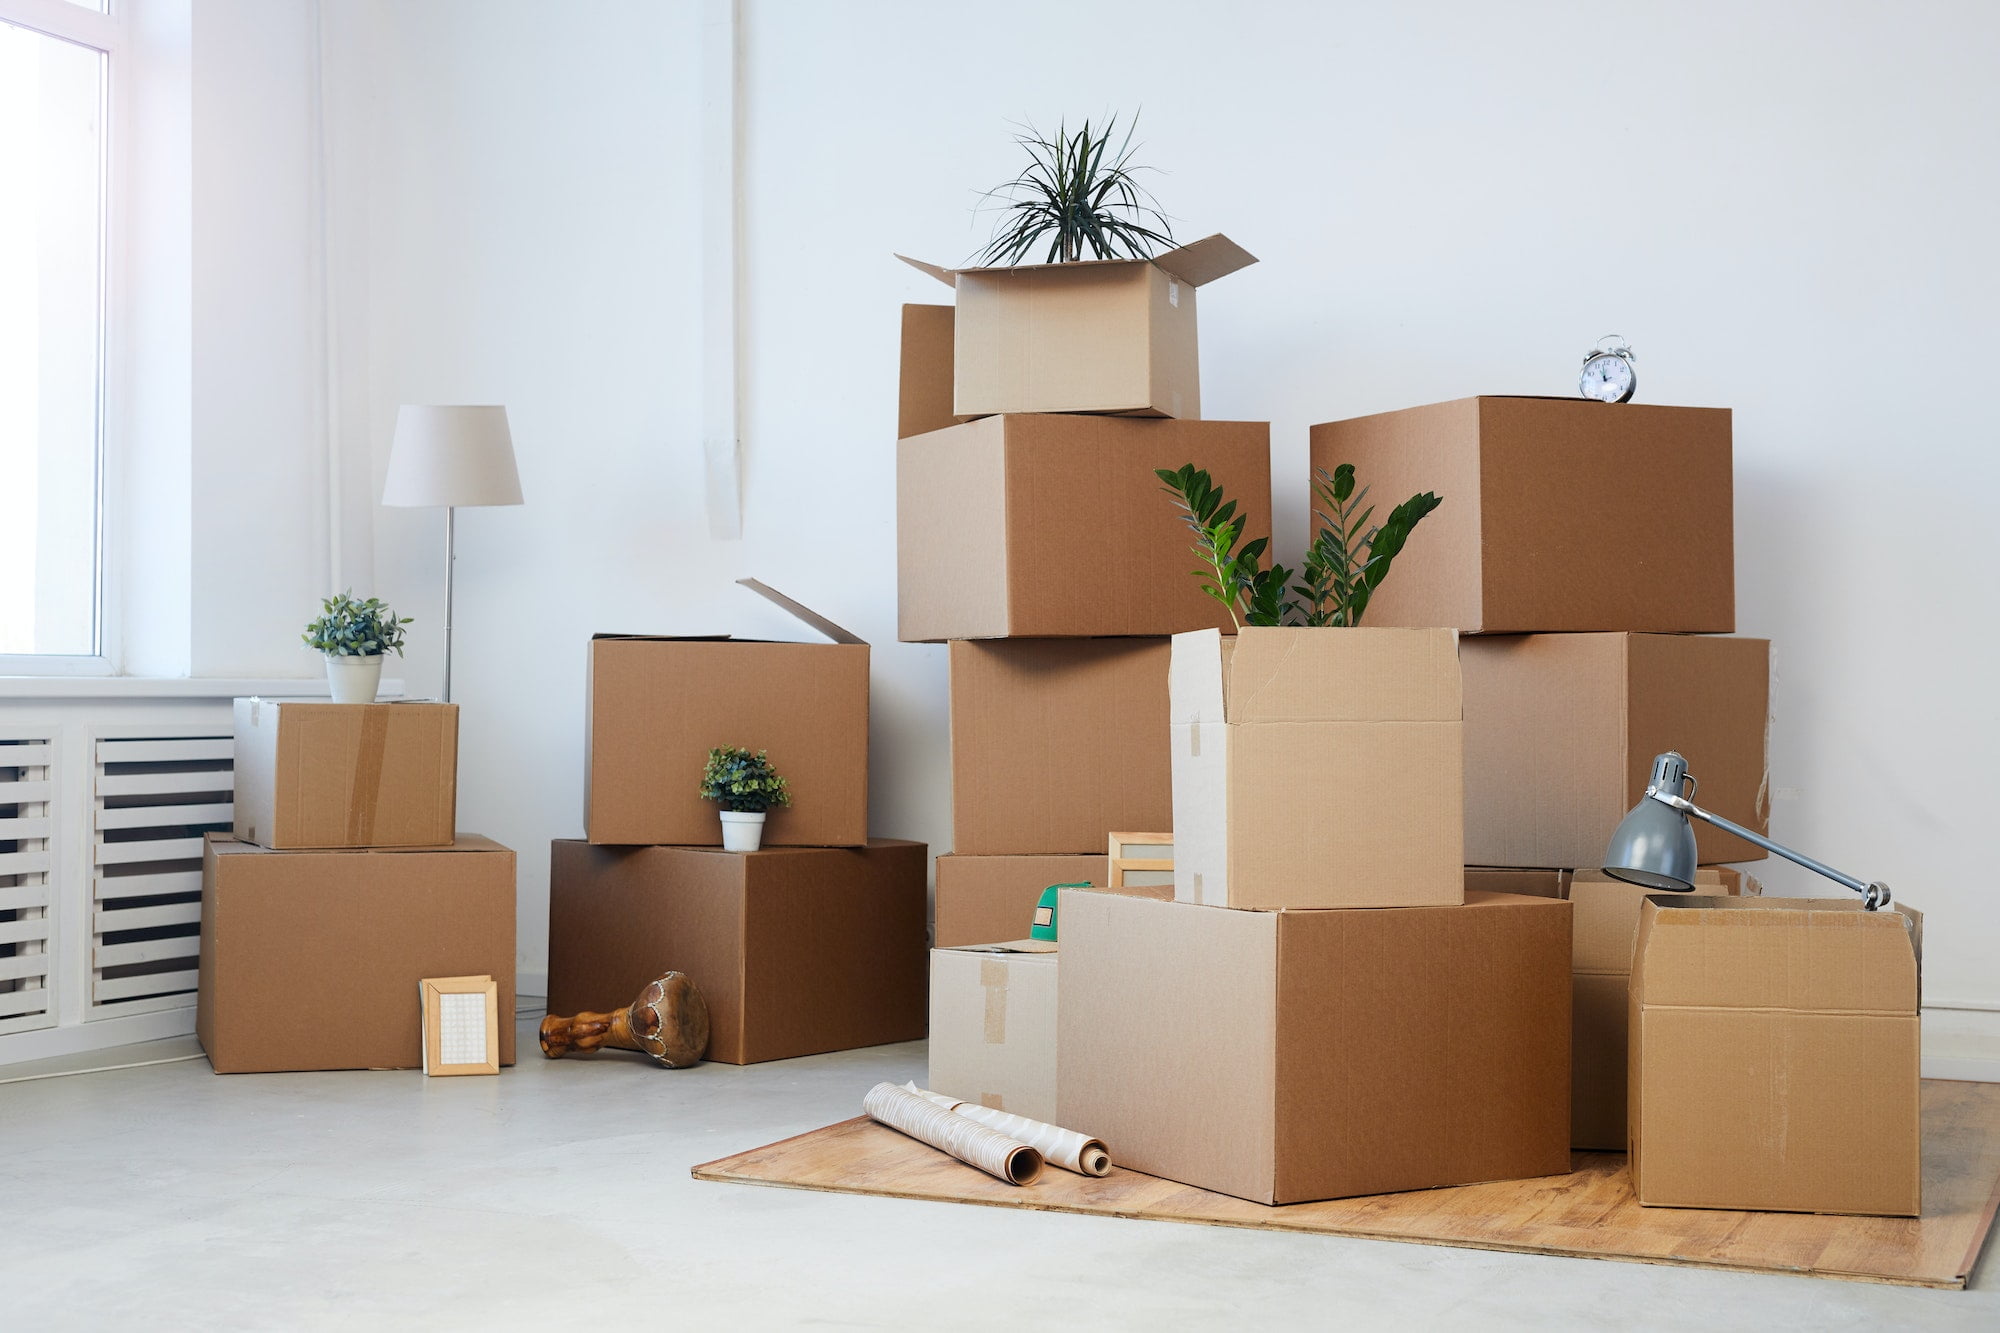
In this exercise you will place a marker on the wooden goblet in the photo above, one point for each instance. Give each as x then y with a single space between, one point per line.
669 1021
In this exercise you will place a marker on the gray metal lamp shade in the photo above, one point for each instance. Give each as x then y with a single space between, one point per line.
1654 844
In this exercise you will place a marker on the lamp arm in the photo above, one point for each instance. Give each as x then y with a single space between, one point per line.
1874 895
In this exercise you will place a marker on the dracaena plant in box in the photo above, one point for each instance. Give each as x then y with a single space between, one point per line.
745 785
353 635
1346 562
1077 198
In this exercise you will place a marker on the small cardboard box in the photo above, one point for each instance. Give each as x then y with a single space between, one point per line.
1057 527
1106 335
1288 1056
797 950
659 704
1774 1062
1057 743
993 1026
312 959
981 898
1559 514
1317 768
323 775
1561 730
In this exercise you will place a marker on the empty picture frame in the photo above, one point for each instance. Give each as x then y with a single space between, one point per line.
461 1025
1141 860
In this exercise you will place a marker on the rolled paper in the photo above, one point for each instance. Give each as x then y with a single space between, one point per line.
1061 1147
967 1140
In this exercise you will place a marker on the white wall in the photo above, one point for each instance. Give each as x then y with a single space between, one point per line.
1785 207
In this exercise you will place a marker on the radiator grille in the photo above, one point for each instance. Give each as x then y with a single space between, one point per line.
27 786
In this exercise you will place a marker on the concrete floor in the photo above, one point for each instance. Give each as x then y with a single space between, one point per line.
558 1196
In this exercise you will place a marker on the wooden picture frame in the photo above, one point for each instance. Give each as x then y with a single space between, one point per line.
461 1025
1129 856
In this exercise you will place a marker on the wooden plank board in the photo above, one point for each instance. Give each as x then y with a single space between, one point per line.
1588 1214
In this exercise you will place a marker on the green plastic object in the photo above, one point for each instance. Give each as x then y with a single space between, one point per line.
1045 910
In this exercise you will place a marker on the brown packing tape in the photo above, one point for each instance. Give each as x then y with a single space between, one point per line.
993 979
993 1100
366 792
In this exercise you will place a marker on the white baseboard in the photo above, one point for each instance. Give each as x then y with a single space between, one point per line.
101 1034
531 986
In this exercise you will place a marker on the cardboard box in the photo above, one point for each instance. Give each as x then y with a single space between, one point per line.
1561 730
797 950
1057 527
1559 514
1317 768
1057 743
1288 1056
312 959
1774 1062
1113 335
985 898
659 704
1543 883
311 774
924 388
993 1026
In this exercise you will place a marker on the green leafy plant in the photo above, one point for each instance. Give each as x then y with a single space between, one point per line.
347 627
1348 560
1231 572
742 780
1079 196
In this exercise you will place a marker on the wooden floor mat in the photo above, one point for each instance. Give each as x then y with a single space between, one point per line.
1588 1214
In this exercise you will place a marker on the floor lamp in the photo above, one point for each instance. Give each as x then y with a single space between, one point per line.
449 458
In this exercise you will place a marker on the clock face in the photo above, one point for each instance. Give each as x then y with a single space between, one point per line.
1607 378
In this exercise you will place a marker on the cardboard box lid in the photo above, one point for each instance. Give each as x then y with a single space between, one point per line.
228 844
1811 955
1197 263
769 594
1316 675
1009 947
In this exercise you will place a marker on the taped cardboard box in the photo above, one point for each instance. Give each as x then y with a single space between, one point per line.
659 703
312 959
312 774
1288 1056
1317 768
993 1026
1055 527
1559 514
1105 335
797 950
1057 743
1561 730
982 898
1774 1062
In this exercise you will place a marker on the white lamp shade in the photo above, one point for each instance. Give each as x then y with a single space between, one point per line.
451 456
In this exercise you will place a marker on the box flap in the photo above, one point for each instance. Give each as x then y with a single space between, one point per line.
804 613
1009 946
1198 674
1196 263
1343 675
228 844
1814 955
943 275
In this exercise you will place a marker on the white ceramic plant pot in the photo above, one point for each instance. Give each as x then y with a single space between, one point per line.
354 679
742 830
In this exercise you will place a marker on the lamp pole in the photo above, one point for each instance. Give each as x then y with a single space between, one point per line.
1873 895
450 572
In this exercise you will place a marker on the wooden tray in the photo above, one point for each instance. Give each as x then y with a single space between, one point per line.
1588 1214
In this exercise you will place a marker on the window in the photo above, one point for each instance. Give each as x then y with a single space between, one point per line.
54 99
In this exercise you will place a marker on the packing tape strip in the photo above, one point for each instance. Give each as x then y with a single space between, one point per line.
993 980
367 788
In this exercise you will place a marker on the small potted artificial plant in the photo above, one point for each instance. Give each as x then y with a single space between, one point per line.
745 785
354 635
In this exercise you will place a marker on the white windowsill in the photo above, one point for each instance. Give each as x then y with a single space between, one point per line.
171 687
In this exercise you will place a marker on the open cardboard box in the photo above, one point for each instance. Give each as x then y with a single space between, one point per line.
1099 335
982 898
993 1026
659 703
1559 514
312 774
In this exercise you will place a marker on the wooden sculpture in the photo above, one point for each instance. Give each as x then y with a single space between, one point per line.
669 1021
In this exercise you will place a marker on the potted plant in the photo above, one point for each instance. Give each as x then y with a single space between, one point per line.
1077 199
745 785
353 635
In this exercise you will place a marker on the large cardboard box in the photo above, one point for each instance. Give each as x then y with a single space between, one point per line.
1561 730
1317 768
986 898
659 704
1055 527
1559 514
1113 335
993 1026
312 959
797 950
1289 1056
1057 743
313 774
1774 1062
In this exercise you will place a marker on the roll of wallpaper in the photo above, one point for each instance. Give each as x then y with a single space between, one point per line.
967 1140
1061 1147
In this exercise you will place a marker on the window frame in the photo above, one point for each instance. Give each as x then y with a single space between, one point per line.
68 22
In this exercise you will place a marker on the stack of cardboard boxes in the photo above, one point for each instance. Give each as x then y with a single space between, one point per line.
813 943
344 885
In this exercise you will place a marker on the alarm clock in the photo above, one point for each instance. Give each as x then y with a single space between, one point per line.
1607 375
